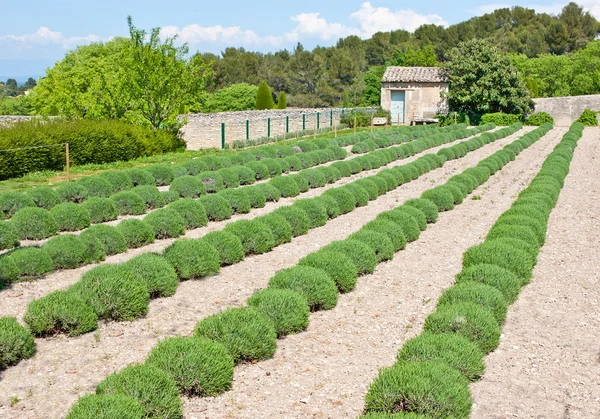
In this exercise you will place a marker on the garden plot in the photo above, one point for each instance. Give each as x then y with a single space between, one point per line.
20 294
325 371
547 363
116 346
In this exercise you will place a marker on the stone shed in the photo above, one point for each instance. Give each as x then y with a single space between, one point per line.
414 94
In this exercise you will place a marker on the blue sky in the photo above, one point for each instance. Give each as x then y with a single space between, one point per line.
36 33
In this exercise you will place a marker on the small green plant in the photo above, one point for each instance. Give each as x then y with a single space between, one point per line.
110 237
238 200
288 310
152 387
8 236
279 226
193 258
163 174
109 406
441 196
96 186
314 284
16 342
264 99
199 366
296 217
156 272
44 197
140 177
72 192
129 203
150 195
426 206
228 245
476 197
410 227
166 223
66 252
101 210
337 265
188 186
217 207
256 237
11 202
113 292
344 199
119 180
31 262
486 296
361 254
34 224
588 118
378 242
286 186
257 195
246 176
137 233
192 212
506 256
70 216
60 312
317 214
247 334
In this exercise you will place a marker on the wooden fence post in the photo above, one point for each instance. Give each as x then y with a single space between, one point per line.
355 123
68 162
316 126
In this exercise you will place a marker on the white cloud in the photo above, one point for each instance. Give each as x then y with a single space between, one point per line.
592 6
45 36
381 19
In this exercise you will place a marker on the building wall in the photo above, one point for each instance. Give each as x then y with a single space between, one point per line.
565 110
422 100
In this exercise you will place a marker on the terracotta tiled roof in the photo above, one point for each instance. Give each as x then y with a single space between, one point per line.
415 75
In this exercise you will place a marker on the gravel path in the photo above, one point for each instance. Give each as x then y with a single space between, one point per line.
70 367
16 298
548 361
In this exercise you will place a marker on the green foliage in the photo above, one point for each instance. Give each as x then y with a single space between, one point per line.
230 177
539 118
361 196
279 226
257 195
106 407
109 236
33 223
417 214
282 102
247 334
504 280
8 236
192 212
430 388
264 100
72 192
90 141
67 252
188 186
423 57
296 217
8 271
101 209
137 233
237 97
216 206
500 118
193 258
70 216
119 180
288 310
441 196
11 202
153 388
150 195
163 174
371 96
256 237
140 177
113 292
588 118
337 265
483 295
238 200
245 175
504 255
317 287
317 214
286 186
31 262
344 199
154 270
199 366
483 81
394 231
16 342
378 242
60 312
166 223
44 197
452 349
407 223
129 203
228 245
261 170
362 256
468 320
95 249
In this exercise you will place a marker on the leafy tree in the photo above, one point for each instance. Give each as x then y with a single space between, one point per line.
282 102
424 57
264 100
482 80
30 83
372 94
237 97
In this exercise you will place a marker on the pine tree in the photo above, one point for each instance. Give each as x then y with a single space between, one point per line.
264 100
282 104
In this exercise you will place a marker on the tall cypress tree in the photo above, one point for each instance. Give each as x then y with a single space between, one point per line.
282 104
264 100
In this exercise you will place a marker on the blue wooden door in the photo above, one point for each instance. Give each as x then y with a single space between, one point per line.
397 108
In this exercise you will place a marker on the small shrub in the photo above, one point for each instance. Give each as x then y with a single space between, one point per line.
418 215
314 284
378 242
270 192
11 202
279 226
285 185
344 199
163 174
101 210
158 274
468 320
256 237
256 195
314 177
192 212
60 312
245 175
129 203
31 262
152 387
369 186
44 197
588 118
261 170
392 230
317 214
238 200
95 249
119 180
343 167
70 216
409 225
230 177
199 366
140 177
137 233
274 167
113 292
331 206
66 252
188 186
539 118
493 252
193 258
288 310
507 282
454 350
361 197
247 334
72 192
8 236
483 295
16 342
32 223
362 255
151 196
96 186
217 207
106 407
8 271
110 237
337 265
228 245
166 223
431 388
527 217
296 217
380 182
169 196
441 196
